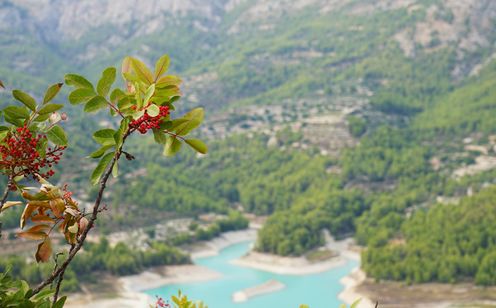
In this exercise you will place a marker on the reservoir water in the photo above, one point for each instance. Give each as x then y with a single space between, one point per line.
317 290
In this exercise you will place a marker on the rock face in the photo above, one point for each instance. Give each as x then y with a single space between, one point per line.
72 19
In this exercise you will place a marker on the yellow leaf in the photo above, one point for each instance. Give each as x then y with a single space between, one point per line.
28 210
74 228
10 204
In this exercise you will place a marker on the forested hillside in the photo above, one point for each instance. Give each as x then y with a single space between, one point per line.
412 81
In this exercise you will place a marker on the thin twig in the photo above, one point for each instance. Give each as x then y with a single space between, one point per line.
4 199
59 281
57 288
75 249
173 135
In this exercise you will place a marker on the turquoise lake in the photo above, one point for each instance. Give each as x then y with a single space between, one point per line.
317 290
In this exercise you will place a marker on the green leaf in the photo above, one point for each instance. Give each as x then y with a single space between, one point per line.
101 167
116 95
108 78
153 110
41 147
42 118
57 136
115 170
172 146
49 108
25 98
96 103
16 112
165 93
3 134
60 303
137 96
51 92
168 80
159 136
81 95
44 294
124 103
149 93
142 71
99 153
161 66
105 136
198 145
78 81
119 134
14 121
355 303
193 120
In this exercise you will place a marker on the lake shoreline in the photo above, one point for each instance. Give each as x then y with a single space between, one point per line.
130 289
301 266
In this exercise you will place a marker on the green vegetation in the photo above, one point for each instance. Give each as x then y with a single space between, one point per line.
385 188
240 169
446 243
97 260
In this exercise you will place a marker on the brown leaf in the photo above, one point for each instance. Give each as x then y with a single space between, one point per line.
44 251
44 204
71 212
42 218
37 228
1 85
57 206
83 224
32 235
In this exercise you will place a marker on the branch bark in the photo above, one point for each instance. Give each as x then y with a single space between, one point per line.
59 272
4 199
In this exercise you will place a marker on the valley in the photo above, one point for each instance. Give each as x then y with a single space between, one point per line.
368 120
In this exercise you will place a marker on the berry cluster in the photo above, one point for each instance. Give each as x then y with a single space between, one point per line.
161 303
146 122
21 156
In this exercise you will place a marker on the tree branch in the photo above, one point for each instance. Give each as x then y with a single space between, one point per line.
59 272
57 288
4 199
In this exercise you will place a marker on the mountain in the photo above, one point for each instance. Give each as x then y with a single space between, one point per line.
352 115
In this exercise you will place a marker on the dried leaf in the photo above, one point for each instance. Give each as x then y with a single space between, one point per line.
32 235
42 218
10 204
74 228
28 210
44 251
58 207
71 212
83 224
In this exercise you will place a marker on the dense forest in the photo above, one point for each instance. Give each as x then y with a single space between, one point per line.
446 243
425 98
